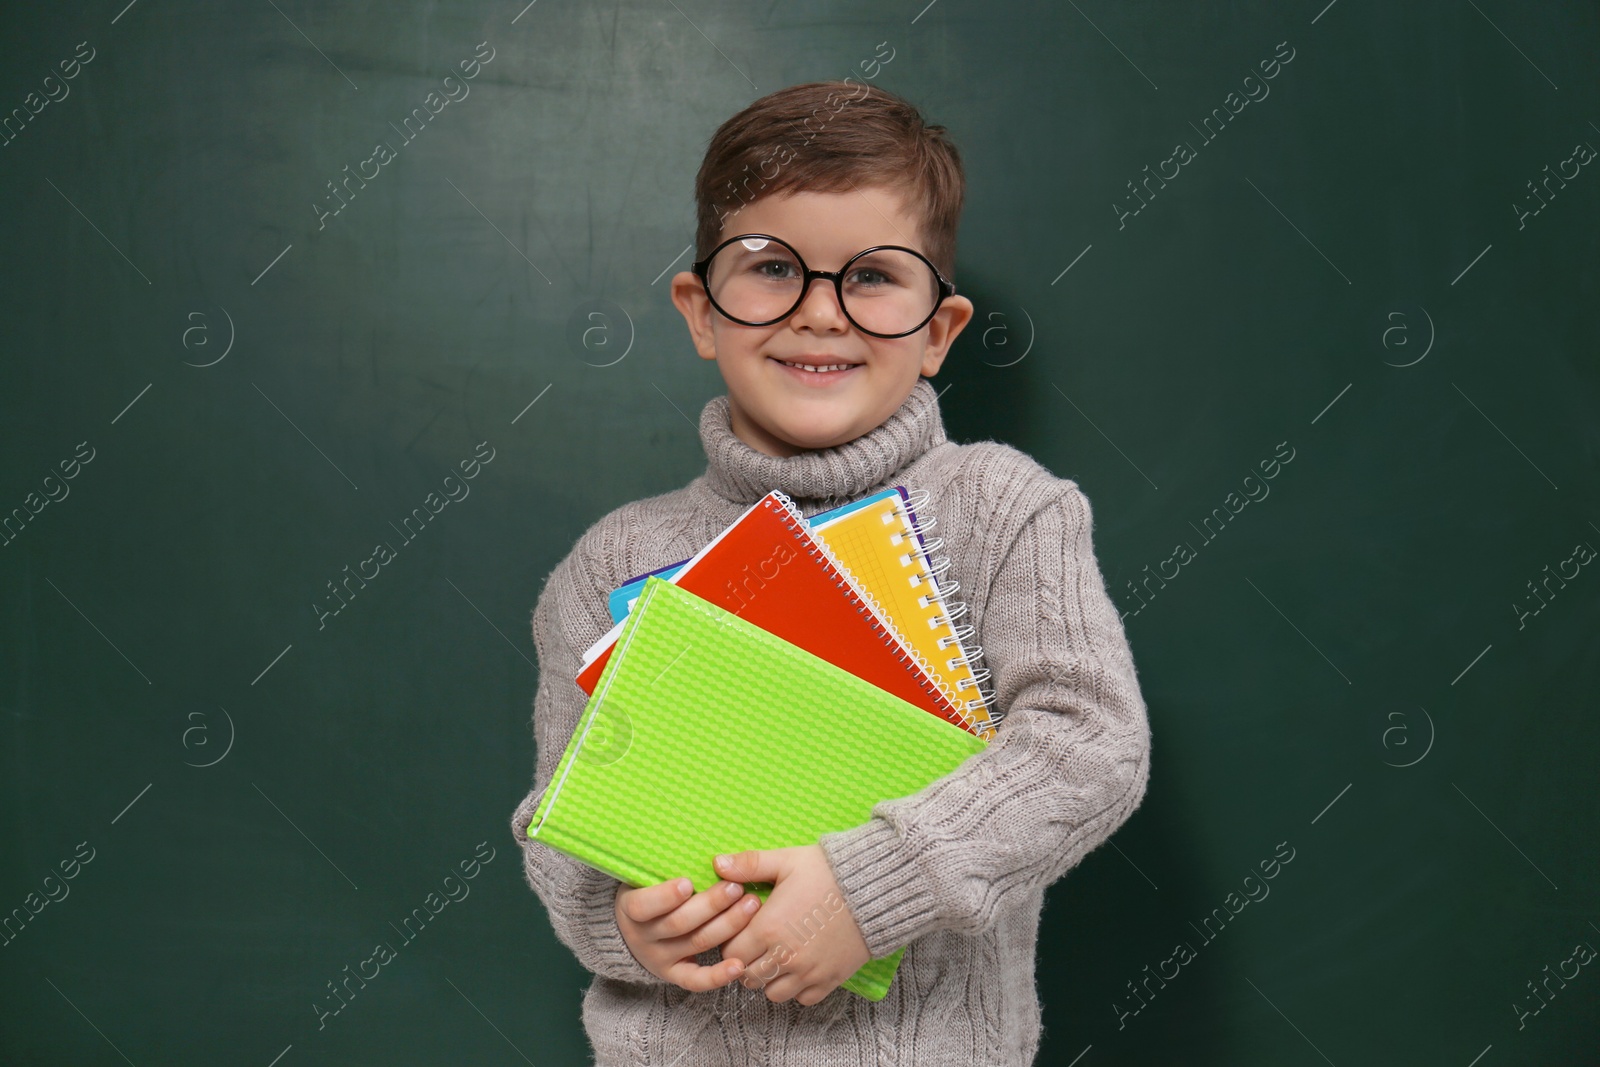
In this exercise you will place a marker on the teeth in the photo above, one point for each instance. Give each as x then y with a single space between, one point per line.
816 370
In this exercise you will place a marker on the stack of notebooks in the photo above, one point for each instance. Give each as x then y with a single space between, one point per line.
768 690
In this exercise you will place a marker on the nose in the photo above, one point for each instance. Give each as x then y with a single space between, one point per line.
820 312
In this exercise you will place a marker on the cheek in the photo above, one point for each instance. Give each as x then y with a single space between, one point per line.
743 342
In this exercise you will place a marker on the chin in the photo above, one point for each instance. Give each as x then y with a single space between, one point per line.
813 436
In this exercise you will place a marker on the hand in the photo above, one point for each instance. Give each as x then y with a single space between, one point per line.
804 942
665 929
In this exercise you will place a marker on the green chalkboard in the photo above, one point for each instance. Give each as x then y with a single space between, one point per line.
1302 295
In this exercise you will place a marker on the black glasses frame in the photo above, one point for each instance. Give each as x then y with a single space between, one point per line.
947 288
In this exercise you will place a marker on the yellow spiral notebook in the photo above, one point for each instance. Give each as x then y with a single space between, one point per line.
887 550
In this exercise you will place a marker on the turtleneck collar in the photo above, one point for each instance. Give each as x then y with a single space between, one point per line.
743 475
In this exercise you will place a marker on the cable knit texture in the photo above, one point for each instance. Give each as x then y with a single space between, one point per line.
956 872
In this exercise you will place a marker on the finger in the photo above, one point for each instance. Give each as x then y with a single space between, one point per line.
699 979
720 930
784 987
697 911
653 901
813 994
751 865
764 970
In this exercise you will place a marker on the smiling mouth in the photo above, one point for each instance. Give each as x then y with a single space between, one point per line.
833 368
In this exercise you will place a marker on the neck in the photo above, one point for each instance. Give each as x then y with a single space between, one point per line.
743 473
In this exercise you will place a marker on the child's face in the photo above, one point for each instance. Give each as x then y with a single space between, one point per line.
782 411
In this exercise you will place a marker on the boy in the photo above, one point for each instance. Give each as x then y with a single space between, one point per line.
827 400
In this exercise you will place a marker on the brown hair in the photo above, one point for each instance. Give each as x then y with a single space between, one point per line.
831 137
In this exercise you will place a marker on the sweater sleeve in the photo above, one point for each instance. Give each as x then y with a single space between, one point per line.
1067 766
580 900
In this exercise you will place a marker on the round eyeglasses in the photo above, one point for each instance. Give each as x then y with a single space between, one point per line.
756 279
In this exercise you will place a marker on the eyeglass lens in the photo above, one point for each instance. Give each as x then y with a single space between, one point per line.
887 291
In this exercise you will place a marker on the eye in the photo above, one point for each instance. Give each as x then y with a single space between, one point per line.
775 269
870 276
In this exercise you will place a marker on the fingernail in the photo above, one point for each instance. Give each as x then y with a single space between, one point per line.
734 889
685 886
751 903
722 861
734 967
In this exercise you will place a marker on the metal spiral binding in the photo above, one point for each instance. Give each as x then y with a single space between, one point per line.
981 703
944 587
868 605
943 591
961 634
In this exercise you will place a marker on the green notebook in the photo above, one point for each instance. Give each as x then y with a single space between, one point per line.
708 735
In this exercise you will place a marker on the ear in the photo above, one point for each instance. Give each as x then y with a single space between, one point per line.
945 326
690 298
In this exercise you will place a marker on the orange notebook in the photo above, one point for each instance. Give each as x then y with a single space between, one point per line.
770 570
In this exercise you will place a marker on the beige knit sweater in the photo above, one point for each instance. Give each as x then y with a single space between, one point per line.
956 872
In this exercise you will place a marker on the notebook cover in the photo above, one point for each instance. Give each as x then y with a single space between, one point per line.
620 600
877 543
768 569
709 735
